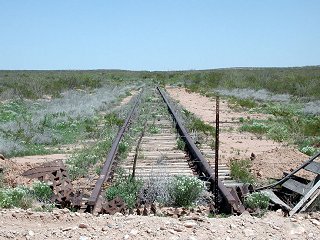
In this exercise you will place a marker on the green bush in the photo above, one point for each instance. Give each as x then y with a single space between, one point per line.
256 201
278 133
126 188
42 191
15 197
185 190
240 170
196 124
310 151
255 127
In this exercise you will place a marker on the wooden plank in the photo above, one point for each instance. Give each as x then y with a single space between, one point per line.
313 167
305 199
274 198
296 186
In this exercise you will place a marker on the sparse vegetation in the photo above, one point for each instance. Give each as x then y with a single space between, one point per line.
185 190
181 145
257 201
127 188
240 170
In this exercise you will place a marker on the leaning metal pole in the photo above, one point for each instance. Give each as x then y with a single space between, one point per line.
216 160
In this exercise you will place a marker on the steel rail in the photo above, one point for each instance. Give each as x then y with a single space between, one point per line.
110 158
201 162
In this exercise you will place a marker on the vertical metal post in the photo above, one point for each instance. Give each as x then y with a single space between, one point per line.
216 162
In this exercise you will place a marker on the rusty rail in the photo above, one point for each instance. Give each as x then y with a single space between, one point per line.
110 158
201 162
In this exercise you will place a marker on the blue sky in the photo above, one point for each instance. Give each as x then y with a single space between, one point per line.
158 34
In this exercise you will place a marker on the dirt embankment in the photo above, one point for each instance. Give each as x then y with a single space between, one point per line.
271 158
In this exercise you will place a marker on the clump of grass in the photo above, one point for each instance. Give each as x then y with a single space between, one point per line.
42 191
153 129
185 190
240 170
245 102
181 145
15 197
198 125
257 201
309 150
278 132
126 188
255 127
156 189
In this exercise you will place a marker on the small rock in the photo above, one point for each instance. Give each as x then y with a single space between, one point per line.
117 214
228 231
83 238
296 229
279 212
248 232
2 157
315 222
228 238
83 225
67 229
177 229
14 215
65 210
162 228
190 224
233 226
126 236
31 233
171 231
245 213
134 232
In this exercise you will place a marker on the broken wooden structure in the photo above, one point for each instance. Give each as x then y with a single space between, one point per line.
294 193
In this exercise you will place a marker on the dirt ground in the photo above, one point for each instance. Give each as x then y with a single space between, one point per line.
62 224
272 158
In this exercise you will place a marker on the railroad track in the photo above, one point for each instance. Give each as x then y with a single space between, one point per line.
158 155
165 149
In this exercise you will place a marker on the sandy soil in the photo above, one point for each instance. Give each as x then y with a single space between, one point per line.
62 224
240 145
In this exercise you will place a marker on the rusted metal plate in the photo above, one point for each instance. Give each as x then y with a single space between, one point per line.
113 206
56 175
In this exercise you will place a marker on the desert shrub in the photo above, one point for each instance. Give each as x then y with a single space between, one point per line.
127 188
309 150
256 201
255 127
156 189
246 103
41 191
196 124
240 170
15 197
185 190
278 132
